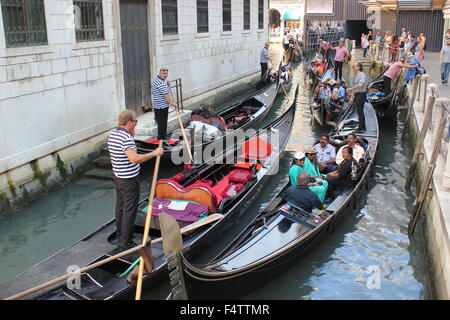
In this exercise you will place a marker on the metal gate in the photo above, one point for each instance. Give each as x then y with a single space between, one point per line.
135 54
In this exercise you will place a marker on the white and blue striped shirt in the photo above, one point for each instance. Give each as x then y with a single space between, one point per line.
159 89
119 141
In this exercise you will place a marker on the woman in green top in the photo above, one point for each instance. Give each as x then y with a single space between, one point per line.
297 167
312 168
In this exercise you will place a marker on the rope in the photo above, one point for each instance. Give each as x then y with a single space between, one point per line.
130 268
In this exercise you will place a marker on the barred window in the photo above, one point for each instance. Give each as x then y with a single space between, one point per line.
24 22
226 15
202 16
246 14
260 14
88 20
169 17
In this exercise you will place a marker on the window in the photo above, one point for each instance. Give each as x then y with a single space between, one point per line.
169 17
226 15
24 22
88 20
246 14
202 16
260 14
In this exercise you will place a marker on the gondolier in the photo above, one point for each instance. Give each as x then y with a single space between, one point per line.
125 163
264 59
359 89
161 100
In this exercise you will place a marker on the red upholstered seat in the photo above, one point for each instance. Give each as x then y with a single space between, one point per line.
239 175
156 141
256 149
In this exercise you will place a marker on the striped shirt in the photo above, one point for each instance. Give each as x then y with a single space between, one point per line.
119 141
159 89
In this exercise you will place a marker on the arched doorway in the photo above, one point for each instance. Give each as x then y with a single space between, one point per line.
274 21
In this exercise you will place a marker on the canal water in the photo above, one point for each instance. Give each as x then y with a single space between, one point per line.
369 256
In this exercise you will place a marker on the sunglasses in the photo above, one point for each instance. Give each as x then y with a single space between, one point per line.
135 121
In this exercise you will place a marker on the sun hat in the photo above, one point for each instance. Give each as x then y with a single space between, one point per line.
299 155
309 150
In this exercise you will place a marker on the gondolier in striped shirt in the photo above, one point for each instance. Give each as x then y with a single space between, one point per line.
161 100
126 165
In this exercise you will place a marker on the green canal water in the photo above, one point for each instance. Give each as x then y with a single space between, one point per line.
369 256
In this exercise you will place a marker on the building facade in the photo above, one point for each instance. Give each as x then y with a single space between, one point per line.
286 15
68 67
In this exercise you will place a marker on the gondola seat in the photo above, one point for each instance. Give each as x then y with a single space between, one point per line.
200 193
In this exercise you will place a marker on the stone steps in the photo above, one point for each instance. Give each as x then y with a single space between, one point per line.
99 173
103 162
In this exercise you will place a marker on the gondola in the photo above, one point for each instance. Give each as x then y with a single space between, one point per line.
219 186
241 115
382 103
316 77
278 236
324 111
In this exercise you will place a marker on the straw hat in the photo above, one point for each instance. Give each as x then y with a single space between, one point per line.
299 155
309 150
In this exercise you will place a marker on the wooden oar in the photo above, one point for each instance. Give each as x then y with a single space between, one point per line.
289 100
145 255
188 228
188 147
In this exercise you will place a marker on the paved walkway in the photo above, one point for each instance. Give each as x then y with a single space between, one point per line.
433 68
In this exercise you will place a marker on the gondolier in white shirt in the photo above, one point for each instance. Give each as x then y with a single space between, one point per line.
125 163
161 100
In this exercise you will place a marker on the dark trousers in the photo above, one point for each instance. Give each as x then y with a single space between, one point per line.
365 52
161 116
338 69
360 99
263 69
127 191
387 85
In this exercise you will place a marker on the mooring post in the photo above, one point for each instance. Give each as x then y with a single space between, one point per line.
423 95
409 115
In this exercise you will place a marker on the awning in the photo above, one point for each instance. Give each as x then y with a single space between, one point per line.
414 4
292 14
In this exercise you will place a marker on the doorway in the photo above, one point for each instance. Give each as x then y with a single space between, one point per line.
135 54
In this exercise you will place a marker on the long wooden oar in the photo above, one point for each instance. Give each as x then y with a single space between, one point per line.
188 147
289 100
144 255
188 228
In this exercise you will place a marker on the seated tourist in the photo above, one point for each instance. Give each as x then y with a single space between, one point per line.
342 177
311 167
326 154
341 92
358 151
301 196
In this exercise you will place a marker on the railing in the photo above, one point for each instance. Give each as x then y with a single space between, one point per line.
435 119
178 98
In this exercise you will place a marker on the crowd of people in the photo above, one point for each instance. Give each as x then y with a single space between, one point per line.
398 45
318 174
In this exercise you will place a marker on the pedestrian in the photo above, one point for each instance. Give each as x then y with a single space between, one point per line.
359 89
414 44
365 45
339 58
286 41
264 59
394 49
445 62
161 100
125 163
